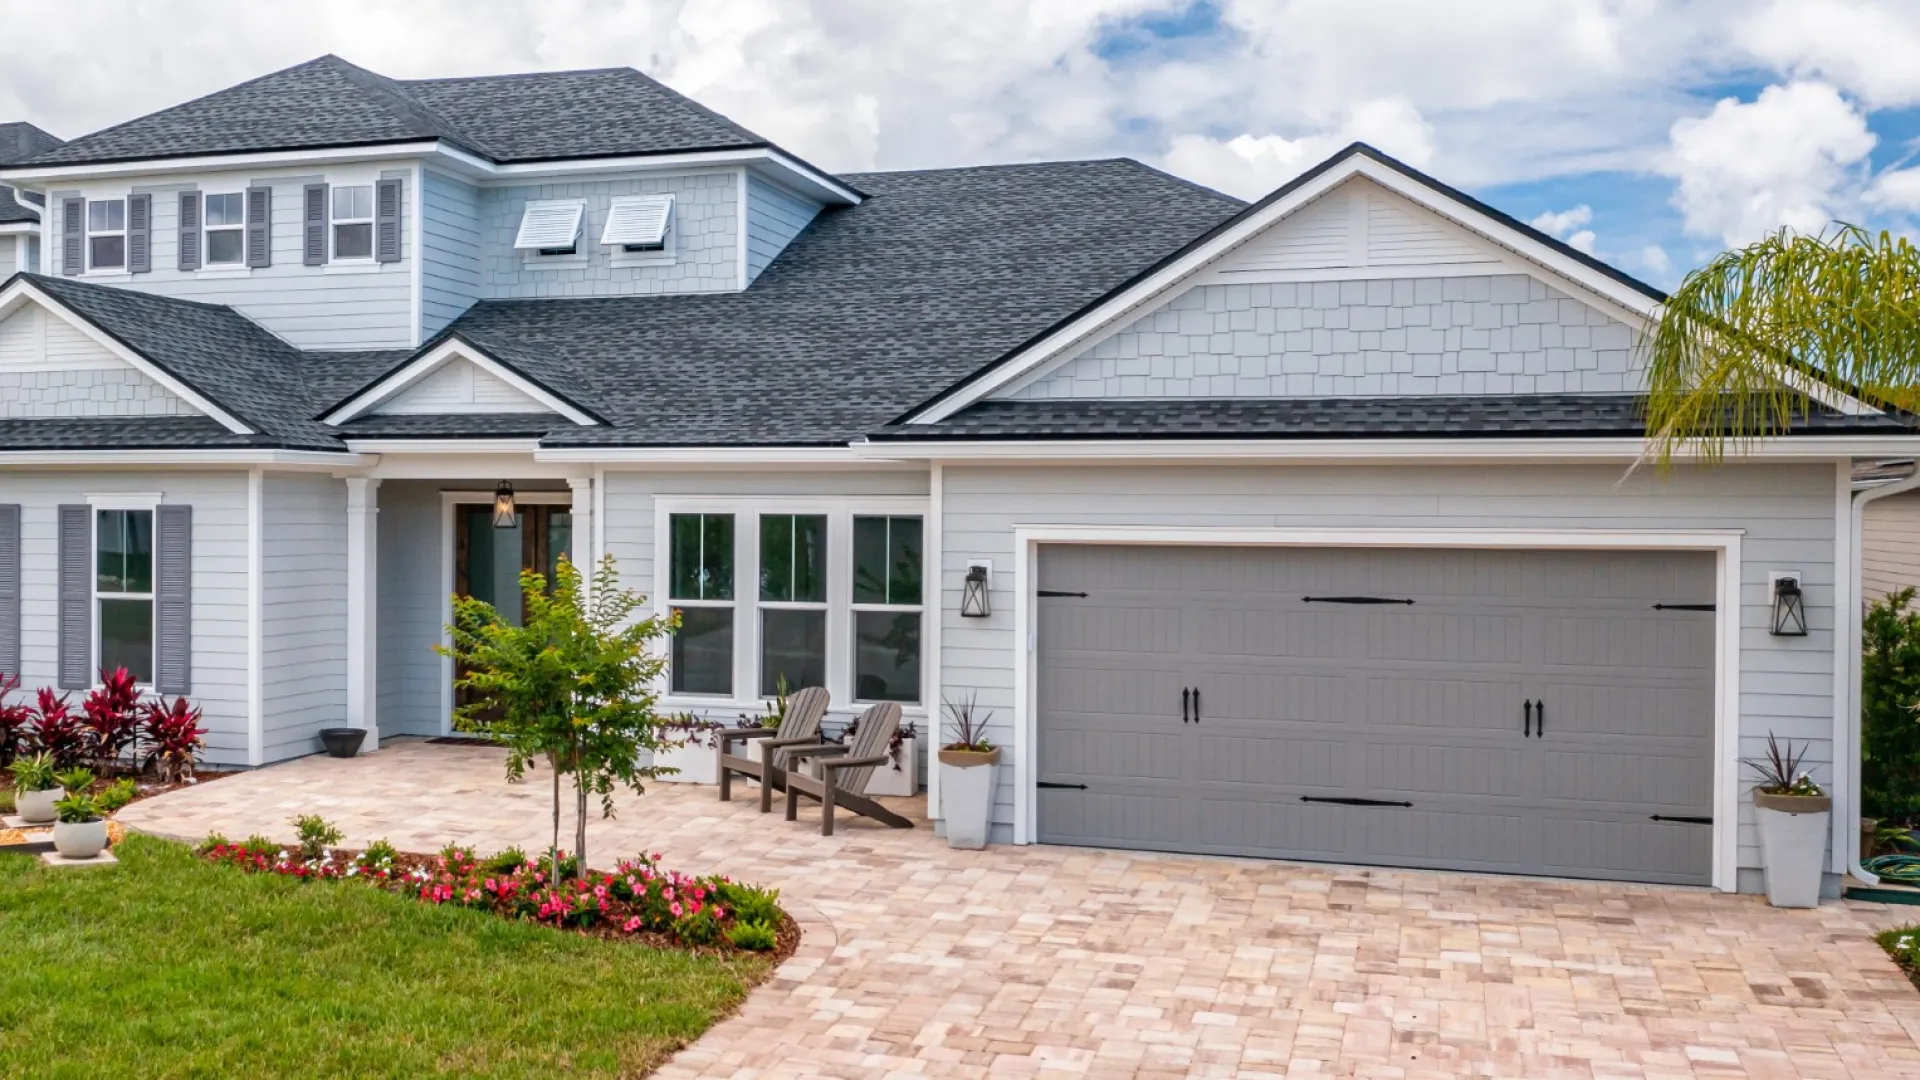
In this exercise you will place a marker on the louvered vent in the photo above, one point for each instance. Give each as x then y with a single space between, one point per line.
550 227
639 222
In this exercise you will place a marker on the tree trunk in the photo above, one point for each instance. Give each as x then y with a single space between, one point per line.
580 819
553 852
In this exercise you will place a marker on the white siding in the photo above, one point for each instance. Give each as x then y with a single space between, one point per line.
10 255
304 611
460 386
775 216
1786 511
450 239
1889 546
1356 224
34 339
219 660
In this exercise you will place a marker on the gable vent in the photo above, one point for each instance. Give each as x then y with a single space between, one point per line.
550 225
638 222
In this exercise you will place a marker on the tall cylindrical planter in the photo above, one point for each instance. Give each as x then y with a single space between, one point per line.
36 807
966 795
1793 846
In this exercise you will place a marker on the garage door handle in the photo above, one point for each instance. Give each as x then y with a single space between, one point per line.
1186 694
1352 802
1540 720
1196 704
1526 726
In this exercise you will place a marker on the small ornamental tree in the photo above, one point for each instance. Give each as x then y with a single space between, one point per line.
572 684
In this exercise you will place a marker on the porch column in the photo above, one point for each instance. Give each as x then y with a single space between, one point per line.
583 555
363 545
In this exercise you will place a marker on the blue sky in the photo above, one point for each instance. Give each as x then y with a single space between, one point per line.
1655 132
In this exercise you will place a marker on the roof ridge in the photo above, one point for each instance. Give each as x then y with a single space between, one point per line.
392 88
519 75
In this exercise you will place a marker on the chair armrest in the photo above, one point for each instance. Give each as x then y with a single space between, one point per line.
733 735
819 750
856 762
782 744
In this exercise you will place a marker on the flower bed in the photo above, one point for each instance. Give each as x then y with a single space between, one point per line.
1903 945
637 901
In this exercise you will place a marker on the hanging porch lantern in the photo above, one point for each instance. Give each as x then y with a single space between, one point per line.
503 514
1789 608
973 593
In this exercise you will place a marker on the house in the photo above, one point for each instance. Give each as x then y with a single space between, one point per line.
1889 531
20 219
1307 528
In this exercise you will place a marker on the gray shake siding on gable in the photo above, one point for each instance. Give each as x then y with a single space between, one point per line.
1497 334
774 217
1785 511
303 610
706 217
86 393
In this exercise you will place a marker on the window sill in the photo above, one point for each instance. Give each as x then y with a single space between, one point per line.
107 274
214 272
357 266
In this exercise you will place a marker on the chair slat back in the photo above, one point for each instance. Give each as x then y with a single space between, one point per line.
872 737
806 707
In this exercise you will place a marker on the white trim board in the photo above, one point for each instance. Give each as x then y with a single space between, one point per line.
426 364
1028 540
1410 451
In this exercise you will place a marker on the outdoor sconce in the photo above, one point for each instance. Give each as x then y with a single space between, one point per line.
503 516
973 591
1789 609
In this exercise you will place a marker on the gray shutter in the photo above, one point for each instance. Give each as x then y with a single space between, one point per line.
10 589
76 597
139 234
313 223
73 236
173 599
259 226
386 221
189 230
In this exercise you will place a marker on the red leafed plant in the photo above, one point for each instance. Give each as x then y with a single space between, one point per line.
58 732
113 717
14 718
173 739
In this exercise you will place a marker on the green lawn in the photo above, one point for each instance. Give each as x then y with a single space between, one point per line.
168 966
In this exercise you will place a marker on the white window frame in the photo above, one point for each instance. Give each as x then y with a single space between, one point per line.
839 510
372 184
581 255
207 231
761 606
664 570
150 504
88 232
919 608
617 255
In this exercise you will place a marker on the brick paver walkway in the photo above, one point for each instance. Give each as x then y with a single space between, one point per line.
1045 961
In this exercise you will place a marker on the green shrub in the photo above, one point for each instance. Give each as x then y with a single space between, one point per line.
1889 726
316 835
260 845
457 855
753 936
77 809
33 772
506 862
379 856
213 840
698 927
6 800
118 794
76 780
749 904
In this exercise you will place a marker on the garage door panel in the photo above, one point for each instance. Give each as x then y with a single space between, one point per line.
1655 643
1137 629
1592 578
1276 828
1439 837
1585 774
1112 688
1413 767
1224 630
1641 850
1450 637
1624 710
1485 705
1271 760
1115 819
1272 696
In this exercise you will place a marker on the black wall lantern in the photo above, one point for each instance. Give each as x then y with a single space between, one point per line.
973 592
1789 608
503 515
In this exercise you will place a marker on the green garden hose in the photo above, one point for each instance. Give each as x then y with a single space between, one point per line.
1904 869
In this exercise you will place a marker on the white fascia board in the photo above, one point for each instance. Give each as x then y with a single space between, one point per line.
23 292
290 460
443 447
422 366
773 163
27 228
1366 451
710 455
53 174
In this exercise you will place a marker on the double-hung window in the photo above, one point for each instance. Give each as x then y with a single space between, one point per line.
700 588
793 602
226 227
123 591
106 234
353 222
887 607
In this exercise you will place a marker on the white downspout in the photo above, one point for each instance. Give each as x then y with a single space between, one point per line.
1851 618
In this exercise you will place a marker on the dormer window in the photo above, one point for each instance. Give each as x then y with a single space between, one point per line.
353 222
639 223
107 234
551 227
226 229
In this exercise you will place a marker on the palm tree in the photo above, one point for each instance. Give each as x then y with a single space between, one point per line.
1747 344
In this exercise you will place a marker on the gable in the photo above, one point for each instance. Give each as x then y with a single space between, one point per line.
459 386
1358 224
51 368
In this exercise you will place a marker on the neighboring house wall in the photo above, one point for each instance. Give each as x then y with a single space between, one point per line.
337 306
219 659
1786 512
775 216
1494 334
49 368
705 240
304 610
450 250
1889 546
411 594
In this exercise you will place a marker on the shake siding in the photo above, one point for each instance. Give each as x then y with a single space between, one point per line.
1786 513
775 216
411 588
1889 546
219 660
366 305
304 611
450 257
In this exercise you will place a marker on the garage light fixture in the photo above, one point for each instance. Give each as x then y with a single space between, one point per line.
503 515
973 591
1789 609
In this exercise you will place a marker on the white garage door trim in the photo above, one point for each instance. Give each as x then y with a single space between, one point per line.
1726 691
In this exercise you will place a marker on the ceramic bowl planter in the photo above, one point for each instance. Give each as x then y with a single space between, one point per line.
966 795
80 839
36 807
342 741
1793 846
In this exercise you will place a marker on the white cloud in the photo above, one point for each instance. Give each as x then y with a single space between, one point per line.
1866 47
1655 260
1897 190
1252 165
1566 225
1795 157
1582 241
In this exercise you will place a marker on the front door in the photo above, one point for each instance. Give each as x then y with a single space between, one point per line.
488 560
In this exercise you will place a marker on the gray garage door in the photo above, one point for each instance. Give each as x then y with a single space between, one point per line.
1527 712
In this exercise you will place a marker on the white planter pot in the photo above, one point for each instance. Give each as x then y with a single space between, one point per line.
36 807
1793 847
966 796
698 763
80 840
887 780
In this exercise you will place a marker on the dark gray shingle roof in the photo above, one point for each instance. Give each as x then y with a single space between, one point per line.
451 426
119 433
329 102
1518 415
20 140
12 210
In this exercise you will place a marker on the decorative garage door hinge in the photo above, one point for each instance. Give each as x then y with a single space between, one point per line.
1686 607
1682 820
1051 784
1354 600
1352 802
1056 592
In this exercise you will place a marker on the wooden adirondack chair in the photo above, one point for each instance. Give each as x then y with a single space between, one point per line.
844 771
801 727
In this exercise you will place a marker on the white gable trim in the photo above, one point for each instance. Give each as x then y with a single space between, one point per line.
23 292
422 366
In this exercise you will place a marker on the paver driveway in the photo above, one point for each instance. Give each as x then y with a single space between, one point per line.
920 960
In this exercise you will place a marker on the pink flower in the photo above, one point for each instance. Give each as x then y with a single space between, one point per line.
676 910
699 893
600 891
632 924
667 892
719 912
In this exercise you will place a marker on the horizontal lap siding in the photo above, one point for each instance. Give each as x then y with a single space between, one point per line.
450 242
219 621
304 611
1785 511
1889 546
412 592
774 217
